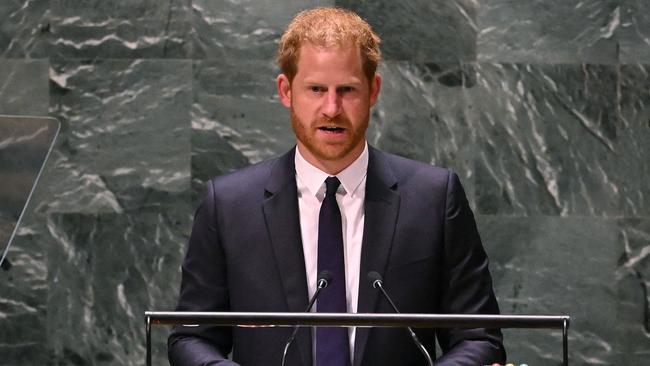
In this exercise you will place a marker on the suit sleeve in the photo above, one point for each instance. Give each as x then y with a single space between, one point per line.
467 286
204 287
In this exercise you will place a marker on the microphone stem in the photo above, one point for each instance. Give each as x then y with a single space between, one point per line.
390 301
411 332
321 285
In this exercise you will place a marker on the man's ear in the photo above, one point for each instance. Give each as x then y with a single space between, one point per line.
284 90
375 86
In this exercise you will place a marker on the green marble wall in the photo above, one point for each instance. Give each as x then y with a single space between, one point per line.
539 105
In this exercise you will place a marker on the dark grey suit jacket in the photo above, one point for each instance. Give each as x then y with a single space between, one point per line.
245 254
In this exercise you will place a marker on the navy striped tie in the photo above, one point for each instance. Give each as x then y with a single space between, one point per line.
332 345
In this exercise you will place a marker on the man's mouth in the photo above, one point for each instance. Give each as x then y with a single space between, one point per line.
332 129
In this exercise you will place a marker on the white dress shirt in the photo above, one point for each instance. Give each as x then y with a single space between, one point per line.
350 197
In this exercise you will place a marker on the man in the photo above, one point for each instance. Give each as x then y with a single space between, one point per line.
262 234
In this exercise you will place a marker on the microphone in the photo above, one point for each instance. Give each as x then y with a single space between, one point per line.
376 282
324 279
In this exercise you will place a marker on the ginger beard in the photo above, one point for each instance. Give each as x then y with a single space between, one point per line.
306 133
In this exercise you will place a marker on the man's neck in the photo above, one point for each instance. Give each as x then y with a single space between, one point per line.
331 167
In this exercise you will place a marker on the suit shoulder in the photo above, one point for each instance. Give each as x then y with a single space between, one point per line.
255 173
247 183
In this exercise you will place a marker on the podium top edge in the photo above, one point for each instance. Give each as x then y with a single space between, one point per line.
233 314
285 319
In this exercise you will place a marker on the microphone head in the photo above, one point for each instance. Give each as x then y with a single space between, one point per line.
324 278
375 278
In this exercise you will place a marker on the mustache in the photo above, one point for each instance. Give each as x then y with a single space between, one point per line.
340 120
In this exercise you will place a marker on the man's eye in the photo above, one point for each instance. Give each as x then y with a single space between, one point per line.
317 89
346 89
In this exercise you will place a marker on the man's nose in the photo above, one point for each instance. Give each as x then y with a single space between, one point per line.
332 104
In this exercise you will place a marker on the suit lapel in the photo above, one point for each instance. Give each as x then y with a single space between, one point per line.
283 224
381 211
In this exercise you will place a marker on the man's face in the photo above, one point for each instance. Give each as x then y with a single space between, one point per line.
330 99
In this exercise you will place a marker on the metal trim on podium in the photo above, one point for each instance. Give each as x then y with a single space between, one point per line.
358 320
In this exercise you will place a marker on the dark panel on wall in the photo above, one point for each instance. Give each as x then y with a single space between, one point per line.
246 29
548 31
634 34
421 30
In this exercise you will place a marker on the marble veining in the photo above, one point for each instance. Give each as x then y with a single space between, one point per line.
534 267
106 104
541 107
130 264
438 31
550 140
635 31
120 29
23 86
247 29
554 31
24 28
237 118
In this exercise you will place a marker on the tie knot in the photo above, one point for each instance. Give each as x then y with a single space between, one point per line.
331 185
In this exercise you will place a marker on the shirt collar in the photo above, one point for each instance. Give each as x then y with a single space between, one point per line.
314 179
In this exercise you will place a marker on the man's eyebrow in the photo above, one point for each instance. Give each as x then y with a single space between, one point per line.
344 83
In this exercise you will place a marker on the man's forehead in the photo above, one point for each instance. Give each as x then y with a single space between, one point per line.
342 45
342 61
